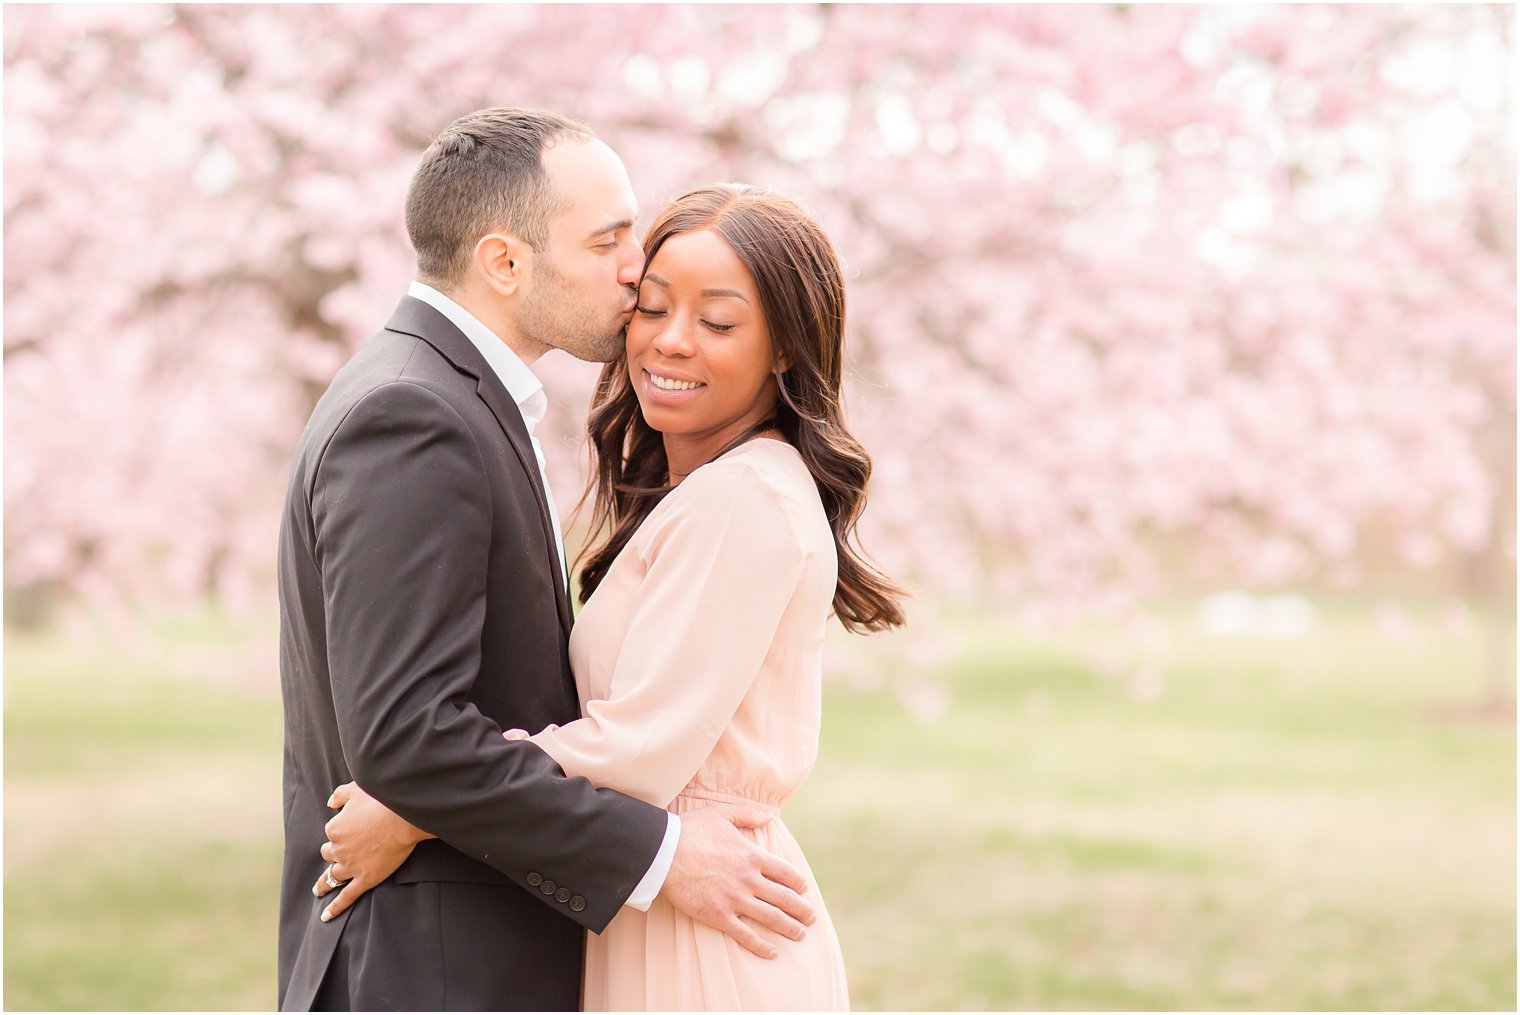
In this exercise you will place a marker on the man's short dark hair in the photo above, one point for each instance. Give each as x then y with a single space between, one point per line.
484 173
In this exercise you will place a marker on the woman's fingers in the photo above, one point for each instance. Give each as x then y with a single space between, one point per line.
516 734
346 898
332 877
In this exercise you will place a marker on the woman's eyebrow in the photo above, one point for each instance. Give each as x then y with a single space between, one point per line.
736 294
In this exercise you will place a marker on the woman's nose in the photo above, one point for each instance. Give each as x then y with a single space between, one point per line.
675 338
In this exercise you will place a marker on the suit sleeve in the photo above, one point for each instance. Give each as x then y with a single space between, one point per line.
401 517
722 572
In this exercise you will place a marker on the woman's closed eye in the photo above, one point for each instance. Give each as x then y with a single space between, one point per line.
715 326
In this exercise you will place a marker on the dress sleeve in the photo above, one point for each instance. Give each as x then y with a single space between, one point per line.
722 569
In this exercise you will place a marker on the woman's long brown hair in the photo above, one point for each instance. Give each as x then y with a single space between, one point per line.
802 296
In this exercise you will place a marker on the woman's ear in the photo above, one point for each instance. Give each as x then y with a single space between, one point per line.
499 259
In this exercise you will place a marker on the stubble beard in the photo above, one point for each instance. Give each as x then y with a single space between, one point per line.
555 316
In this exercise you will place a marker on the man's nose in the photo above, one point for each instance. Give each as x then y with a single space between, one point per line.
632 267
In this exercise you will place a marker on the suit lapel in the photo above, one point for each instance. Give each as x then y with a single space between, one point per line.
416 318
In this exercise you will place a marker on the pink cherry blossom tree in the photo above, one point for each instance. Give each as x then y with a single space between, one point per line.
1142 298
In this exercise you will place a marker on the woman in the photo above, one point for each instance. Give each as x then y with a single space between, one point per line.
729 489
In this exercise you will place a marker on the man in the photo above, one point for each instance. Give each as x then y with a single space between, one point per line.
424 609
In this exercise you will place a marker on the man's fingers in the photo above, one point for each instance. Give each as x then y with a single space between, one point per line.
749 940
341 795
771 918
346 898
792 913
748 817
783 873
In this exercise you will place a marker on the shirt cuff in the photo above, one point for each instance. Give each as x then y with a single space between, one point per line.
654 878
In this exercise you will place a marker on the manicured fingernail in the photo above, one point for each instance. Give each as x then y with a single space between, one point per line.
326 915
801 934
773 954
315 891
330 802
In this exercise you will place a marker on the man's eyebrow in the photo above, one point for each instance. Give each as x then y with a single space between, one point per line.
612 228
736 294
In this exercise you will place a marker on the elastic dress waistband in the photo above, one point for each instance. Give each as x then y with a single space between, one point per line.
693 797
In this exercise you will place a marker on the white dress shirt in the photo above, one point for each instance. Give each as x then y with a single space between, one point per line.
528 392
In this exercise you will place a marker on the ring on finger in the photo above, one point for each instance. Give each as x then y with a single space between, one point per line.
332 882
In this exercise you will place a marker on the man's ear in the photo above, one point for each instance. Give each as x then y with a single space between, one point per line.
501 260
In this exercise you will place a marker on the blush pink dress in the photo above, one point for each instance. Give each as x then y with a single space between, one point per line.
699 662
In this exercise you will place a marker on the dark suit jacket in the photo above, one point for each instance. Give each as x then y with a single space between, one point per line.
421 614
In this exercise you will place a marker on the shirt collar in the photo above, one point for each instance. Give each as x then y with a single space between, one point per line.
521 383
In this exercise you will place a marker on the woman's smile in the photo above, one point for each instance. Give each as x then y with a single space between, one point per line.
669 382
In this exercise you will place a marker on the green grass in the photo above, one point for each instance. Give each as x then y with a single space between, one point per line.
1288 825
142 821
1312 824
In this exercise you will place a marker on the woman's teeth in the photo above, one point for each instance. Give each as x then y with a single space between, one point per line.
668 384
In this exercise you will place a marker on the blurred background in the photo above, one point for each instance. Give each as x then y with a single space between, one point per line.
1184 342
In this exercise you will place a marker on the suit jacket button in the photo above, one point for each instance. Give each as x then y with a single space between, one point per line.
547 887
535 879
563 895
577 903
